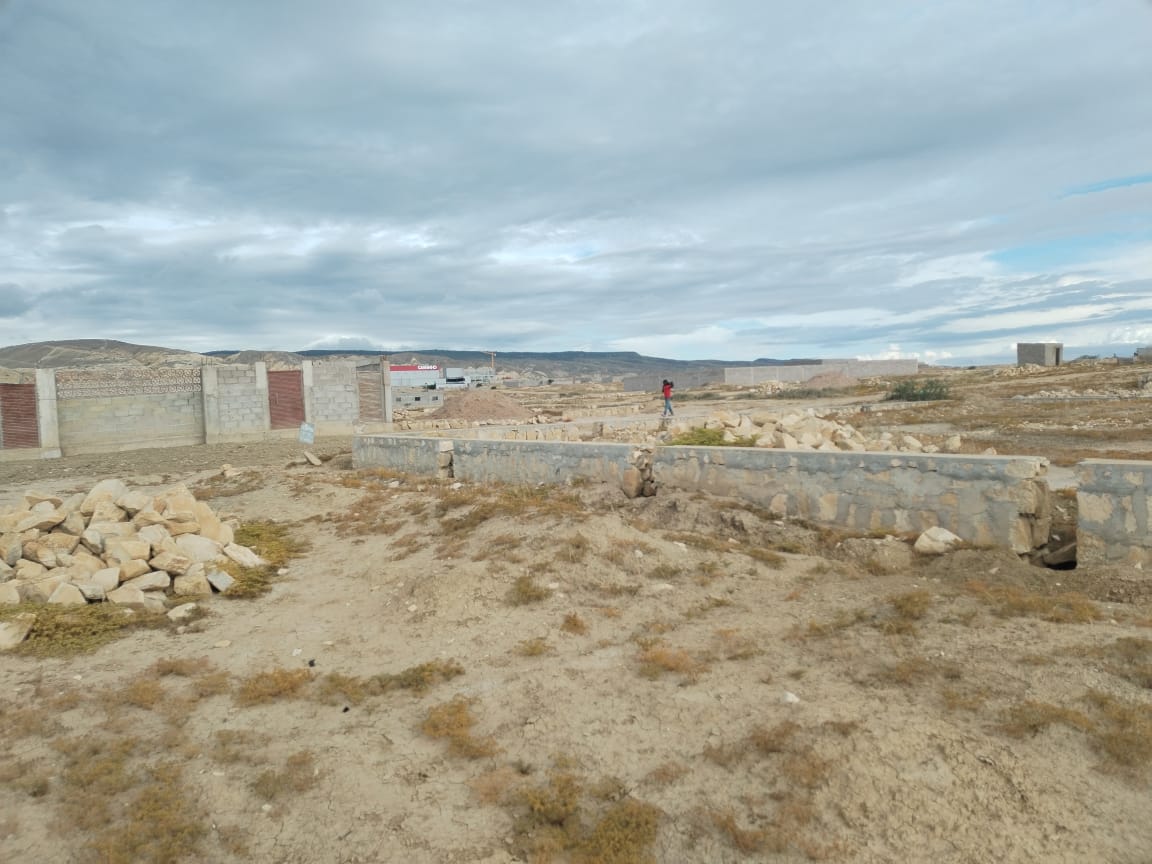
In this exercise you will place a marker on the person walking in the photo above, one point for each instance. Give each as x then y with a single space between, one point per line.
667 391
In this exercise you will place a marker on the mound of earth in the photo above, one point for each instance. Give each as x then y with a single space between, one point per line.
480 405
830 381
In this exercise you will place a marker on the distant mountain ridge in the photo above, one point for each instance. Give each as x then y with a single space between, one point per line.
73 353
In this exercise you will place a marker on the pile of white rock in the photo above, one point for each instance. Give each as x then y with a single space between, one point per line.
117 545
807 431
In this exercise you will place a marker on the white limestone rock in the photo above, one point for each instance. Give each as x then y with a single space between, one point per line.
107 511
191 585
157 580
172 563
122 549
244 556
92 592
108 579
16 630
41 521
220 580
133 569
134 501
33 498
936 541
67 594
182 612
11 548
106 490
199 548
9 594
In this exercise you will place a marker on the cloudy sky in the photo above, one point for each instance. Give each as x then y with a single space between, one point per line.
725 179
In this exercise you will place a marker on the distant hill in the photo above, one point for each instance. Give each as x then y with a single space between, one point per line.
92 352
539 364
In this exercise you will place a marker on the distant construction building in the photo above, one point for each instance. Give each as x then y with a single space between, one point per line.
1039 353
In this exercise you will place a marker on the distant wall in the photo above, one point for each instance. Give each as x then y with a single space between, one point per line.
682 381
997 501
107 409
751 375
1115 517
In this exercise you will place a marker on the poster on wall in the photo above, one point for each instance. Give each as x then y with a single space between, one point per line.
307 433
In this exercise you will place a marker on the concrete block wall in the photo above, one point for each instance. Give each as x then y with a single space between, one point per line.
236 402
106 410
750 375
683 381
111 423
999 501
109 409
331 394
1115 518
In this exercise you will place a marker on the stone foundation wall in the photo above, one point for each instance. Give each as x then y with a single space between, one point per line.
1115 521
999 501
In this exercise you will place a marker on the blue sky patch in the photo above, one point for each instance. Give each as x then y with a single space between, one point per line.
1066 252
1105 185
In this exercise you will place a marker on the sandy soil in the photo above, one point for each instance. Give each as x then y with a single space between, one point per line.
748 688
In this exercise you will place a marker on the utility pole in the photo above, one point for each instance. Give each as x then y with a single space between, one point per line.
492 354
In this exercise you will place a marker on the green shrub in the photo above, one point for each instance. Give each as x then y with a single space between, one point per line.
707 438
919 391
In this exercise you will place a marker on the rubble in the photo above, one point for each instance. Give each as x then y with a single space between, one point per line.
113 545
805 430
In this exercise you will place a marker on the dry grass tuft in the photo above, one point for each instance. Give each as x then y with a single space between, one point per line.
262 688
162 823
746 840
1130 658
1032 717
422 677
566 819
666 773
237 746
335 688
453 722
624 834
525 591
658 658
276 543
299 774
1009 601
537 646
183 667
574 624
65 631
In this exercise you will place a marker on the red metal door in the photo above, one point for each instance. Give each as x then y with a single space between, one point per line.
18 426
286 399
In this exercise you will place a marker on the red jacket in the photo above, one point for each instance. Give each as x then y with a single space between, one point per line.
667 391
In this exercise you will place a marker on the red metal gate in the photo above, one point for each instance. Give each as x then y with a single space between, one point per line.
18 426
286 399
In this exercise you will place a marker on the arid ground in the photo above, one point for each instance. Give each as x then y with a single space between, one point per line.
457 673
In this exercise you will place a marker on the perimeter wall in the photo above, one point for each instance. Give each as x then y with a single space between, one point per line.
99 410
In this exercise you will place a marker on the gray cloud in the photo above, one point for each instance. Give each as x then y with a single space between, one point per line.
674 178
